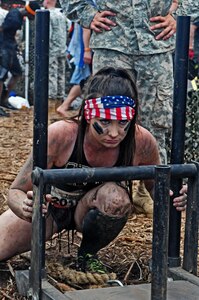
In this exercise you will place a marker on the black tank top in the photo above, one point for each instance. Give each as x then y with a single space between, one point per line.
73 163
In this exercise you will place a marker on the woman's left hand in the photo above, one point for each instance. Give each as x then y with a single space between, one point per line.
180 202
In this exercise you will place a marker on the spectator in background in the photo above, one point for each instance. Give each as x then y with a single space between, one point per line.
82 57
8 49
83 65
57 51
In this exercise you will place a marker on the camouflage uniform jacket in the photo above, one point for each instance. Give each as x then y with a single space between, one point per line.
58 32
132 35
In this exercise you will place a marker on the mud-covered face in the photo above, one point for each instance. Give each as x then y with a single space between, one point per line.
109 133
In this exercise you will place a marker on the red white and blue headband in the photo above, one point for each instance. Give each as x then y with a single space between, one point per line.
110 108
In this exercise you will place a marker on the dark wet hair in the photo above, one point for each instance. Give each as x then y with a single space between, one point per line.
111 81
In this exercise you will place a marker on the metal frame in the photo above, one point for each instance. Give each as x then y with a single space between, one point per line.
161 174
178 134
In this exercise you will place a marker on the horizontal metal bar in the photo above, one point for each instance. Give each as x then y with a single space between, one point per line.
108 174
181 274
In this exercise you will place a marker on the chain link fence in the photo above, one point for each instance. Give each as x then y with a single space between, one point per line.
192 127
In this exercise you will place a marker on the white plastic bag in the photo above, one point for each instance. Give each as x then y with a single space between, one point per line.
18 102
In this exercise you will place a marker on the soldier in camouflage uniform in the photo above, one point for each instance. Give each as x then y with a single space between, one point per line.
9 62
134 39
57 51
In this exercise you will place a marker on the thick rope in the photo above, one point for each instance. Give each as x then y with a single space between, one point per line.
68 275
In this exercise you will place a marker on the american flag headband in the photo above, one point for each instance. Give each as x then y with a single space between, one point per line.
110 108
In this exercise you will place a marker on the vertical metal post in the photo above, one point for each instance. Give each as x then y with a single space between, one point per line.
178 135
37 250
39 149
41 89
160 233
191 225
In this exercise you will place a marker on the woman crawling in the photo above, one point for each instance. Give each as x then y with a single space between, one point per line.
106 135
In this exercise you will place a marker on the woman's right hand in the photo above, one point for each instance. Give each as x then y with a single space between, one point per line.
27 207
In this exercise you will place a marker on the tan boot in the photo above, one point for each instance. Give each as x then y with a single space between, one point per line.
142 200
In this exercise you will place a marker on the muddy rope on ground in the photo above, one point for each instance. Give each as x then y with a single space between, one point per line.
72 276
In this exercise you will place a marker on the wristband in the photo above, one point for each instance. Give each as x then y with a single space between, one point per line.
87 49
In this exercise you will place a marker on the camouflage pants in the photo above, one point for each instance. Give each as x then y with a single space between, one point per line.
154 78
56 89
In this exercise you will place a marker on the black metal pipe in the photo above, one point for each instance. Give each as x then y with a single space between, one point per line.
191 225
160 233
41 89
180 89
61 176
37 270
178 134
39 146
